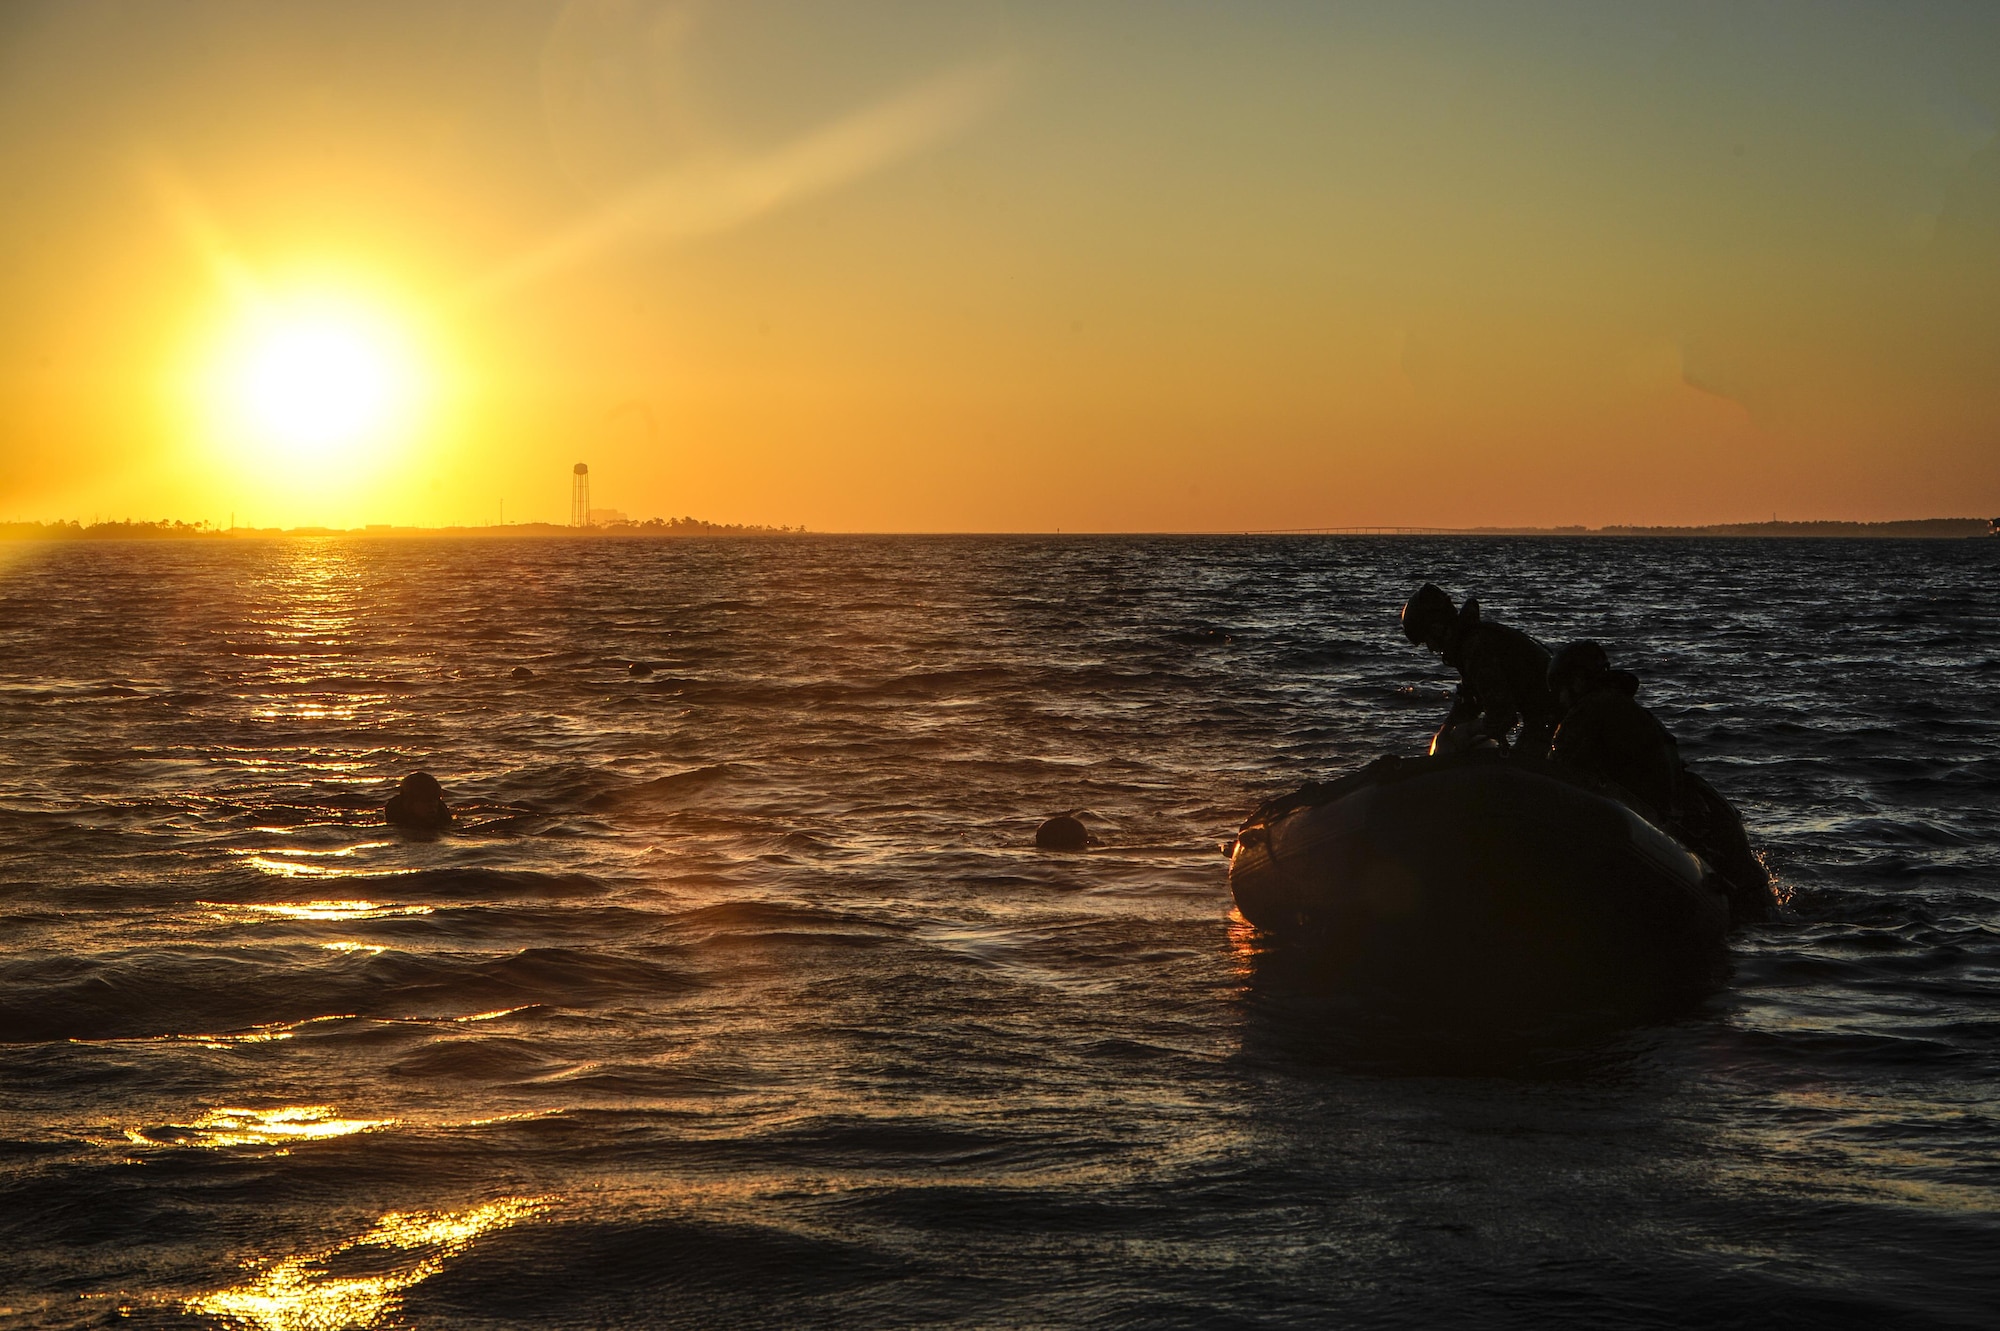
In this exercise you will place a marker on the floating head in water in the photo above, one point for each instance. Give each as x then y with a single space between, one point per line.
419 804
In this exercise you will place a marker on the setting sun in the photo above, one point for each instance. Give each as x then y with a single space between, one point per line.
320 384
298 393
318 381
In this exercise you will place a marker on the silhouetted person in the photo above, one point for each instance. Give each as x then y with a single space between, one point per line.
418 804
1503 675
1605 732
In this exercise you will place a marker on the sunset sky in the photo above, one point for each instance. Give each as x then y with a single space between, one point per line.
995 266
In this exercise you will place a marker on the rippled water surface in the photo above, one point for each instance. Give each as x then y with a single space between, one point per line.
739 996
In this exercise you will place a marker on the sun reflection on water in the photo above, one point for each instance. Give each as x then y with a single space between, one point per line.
286 863
1901 1149
233 1126
329 911
337 852
267 1033
1243 946
285 868
495 1014
318 1291
307 711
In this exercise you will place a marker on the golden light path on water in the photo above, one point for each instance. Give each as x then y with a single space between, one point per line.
285 868
232 1126
321 910
310 1292
273 1032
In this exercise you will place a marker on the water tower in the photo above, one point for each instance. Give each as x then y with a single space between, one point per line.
579 496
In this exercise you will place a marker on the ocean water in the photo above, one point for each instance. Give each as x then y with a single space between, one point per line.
740 997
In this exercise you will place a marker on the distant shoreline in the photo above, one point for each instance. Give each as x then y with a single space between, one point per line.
1915 528
680 528
657 528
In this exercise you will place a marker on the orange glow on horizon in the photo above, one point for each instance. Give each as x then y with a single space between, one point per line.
973 267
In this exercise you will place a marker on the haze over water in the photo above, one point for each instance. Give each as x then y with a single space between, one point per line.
739 996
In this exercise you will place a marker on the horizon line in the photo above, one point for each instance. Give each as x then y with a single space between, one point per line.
685 527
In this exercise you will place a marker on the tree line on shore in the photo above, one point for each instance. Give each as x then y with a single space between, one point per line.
168 529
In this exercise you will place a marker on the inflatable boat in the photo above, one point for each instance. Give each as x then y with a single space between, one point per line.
1486 879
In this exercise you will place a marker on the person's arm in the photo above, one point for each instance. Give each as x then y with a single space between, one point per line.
1486 677
1464 705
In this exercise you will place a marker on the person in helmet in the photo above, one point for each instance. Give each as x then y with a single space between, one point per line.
1605 732
1503 675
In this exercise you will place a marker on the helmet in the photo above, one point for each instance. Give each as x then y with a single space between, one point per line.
1577 663
1426 608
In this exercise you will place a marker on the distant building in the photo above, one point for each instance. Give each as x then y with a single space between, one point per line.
607 517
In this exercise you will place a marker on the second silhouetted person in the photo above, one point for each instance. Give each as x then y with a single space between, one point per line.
1503 675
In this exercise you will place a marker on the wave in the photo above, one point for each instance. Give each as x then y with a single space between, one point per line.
149 993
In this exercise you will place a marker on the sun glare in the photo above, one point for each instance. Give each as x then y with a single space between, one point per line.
312 385
317 381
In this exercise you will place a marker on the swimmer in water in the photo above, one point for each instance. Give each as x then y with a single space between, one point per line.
418 804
